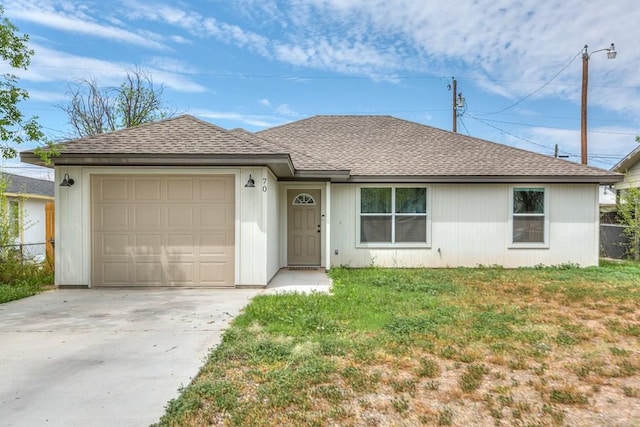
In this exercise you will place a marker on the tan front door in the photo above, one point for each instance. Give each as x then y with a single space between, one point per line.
303 230
163 230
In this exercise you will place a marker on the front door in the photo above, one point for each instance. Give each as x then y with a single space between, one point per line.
303 229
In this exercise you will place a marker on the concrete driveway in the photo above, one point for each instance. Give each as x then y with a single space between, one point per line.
106 357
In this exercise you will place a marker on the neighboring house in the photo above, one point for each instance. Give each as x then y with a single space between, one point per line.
27 200
607 200
614 243
630 167
182 202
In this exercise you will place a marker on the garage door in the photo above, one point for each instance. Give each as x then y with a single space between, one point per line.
163 230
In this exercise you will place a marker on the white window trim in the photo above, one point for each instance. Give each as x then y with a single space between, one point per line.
426 244
529 245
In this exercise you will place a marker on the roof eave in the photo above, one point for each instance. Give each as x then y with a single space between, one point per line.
322 175
280 164
475 179
628 162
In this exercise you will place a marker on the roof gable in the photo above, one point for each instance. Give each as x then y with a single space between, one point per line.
629 161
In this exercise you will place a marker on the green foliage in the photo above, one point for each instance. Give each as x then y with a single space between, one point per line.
14 127
6 220
17 279
472 378
428 368
628 213
568 396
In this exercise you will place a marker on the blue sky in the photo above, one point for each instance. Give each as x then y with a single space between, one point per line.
260 63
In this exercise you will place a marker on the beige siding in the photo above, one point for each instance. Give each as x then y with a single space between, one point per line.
273 226
73 229
631 178
470 227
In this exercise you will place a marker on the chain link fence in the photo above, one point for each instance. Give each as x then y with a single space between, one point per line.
25 252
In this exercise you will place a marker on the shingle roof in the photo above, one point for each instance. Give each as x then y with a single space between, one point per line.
179 135
298 158
388 146
19 184
333 147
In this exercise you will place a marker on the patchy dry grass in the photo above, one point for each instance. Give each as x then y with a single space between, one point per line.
486 346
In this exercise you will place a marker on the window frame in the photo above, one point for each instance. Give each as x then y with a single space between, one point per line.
393 215
529 245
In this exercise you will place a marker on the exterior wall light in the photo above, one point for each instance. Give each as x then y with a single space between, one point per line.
250 183
66 181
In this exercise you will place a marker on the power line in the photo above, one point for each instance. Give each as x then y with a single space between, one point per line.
511 134
464 125
539 89
554 127
325 77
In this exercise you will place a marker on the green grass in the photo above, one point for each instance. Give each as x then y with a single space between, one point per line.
424 346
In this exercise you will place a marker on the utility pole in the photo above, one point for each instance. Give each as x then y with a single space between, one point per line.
559 156
455 105
611 54
583 110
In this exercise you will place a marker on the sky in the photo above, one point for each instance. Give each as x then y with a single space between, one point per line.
261 63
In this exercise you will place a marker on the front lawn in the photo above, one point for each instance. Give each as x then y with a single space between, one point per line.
486 346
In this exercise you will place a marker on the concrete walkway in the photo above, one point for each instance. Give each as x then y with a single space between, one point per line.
306 280
106 357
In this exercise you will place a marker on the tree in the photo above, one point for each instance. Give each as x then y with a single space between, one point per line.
94 110
628 206
14 128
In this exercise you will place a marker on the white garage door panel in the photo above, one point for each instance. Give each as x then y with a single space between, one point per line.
163 231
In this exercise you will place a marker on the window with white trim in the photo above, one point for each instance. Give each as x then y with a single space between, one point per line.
393 215
529 215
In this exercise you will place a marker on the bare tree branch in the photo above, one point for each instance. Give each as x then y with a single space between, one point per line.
94 110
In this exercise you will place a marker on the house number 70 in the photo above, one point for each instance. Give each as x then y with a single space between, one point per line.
264 185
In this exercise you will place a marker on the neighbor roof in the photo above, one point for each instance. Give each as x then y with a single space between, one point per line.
628 161
19 184
353 148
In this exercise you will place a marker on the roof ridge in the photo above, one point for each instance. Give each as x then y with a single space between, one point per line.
142 125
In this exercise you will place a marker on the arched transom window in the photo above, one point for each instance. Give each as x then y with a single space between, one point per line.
304 199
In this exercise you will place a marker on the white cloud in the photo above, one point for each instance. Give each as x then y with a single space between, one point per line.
50 65
511 47
50 97
198 25
76 21
285 110
264 102
245 119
